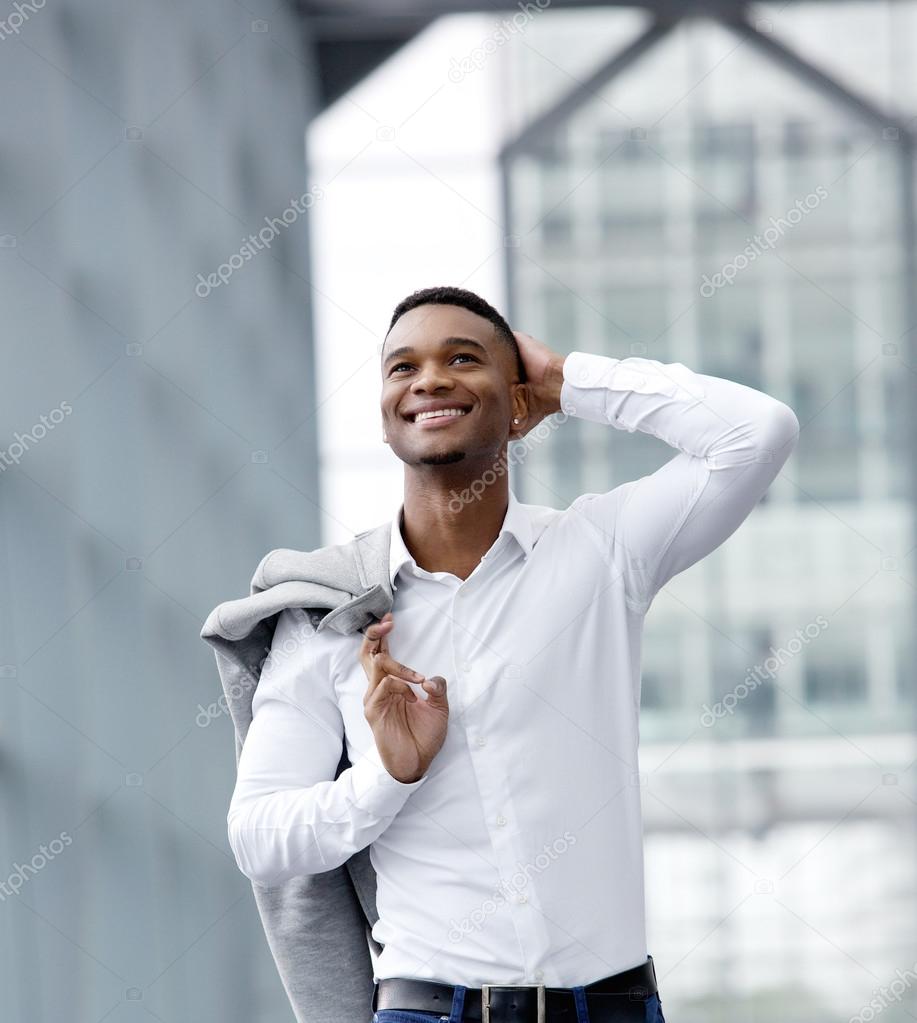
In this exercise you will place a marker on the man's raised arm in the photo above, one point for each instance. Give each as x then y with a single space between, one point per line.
731 440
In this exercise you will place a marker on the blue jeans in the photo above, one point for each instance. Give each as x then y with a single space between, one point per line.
653 1010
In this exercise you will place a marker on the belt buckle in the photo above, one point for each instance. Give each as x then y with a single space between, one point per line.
485 1000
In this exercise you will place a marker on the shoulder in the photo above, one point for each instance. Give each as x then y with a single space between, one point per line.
545 521
345 564
300 658
587 523
541 518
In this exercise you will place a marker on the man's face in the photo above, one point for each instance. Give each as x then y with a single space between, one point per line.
444 357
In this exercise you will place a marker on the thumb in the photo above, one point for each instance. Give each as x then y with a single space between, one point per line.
435 686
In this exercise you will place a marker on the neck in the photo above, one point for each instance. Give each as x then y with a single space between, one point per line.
451 520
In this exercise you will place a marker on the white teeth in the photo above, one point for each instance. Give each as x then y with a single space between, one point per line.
438 413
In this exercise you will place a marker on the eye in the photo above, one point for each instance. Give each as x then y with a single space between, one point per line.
458 355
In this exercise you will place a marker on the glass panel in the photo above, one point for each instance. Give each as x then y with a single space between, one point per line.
777 694
824 394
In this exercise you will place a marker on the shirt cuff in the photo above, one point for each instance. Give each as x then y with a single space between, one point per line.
582 394
375 790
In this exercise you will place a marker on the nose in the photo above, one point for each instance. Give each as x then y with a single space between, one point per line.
431 377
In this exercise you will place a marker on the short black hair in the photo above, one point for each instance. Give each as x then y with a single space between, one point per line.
447 295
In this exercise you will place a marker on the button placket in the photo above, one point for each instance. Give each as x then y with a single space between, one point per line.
475 671
457 627
521 899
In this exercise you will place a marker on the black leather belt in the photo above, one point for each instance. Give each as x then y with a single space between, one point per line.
617 999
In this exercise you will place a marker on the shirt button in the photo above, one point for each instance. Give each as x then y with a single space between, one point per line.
539 975
480 740
466 666
501 820
522 897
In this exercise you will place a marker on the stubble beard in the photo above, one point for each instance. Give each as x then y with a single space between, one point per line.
444 458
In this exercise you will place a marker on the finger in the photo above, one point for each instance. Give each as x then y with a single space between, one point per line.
389 687
435 688
374 653
393 667
374 640
383 639
386 619
373 633
383 664
376 670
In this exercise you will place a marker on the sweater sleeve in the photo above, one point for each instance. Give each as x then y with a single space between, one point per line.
287 817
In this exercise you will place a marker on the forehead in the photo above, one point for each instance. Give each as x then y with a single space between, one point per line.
427 324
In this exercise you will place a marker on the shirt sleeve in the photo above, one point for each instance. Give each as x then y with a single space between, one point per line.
287 817
731 441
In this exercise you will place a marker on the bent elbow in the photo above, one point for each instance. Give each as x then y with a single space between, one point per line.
778 433
235 834
263 854
256 868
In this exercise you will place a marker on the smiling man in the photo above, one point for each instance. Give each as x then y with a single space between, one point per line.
492 716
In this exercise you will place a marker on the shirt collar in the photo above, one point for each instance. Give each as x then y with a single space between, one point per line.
516 523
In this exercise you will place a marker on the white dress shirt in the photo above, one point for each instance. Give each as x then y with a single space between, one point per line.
518 857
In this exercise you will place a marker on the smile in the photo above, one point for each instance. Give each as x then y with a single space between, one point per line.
437 418
444 413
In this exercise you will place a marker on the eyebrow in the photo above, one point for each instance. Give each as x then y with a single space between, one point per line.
446 342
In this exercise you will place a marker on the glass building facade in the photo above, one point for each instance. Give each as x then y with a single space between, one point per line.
747 225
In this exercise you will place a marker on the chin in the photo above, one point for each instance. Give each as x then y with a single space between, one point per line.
443 458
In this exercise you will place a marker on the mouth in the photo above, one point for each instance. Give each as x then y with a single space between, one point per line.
438 418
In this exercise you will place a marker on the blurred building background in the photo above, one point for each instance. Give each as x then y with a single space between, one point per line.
195 426
140 146
766 827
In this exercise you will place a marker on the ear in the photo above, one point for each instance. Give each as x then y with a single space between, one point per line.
520 412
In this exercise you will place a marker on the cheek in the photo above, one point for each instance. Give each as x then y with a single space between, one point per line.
497 407
388 405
